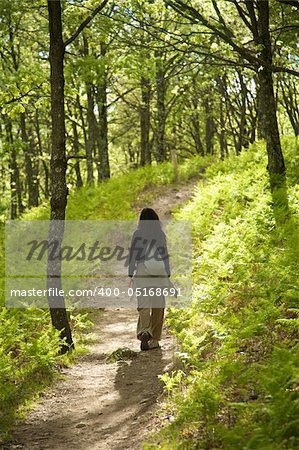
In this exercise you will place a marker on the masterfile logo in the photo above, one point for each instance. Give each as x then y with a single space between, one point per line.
90 260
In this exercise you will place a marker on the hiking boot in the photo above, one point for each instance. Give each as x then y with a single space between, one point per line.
145 337
153 343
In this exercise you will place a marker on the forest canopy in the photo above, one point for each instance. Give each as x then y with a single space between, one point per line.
143 79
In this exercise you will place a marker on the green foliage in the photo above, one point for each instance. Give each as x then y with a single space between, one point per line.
28 349
238 386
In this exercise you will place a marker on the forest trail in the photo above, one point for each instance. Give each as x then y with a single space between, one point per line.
99 405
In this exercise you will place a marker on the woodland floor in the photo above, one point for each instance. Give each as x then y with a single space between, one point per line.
99 405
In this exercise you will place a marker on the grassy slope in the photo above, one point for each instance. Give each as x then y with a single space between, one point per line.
28 344
238 385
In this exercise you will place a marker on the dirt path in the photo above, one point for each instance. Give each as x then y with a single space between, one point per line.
171 198
100 405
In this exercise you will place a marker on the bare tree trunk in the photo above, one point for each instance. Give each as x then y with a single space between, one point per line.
268 119
59 190
260 128
13 184
145 153
242 138
16 205
31 164
269 127
103 154
2 165
222 136
161 114
91 123
252 108
210 127
222 84
44 163
196 134
92 131
33 198
79 181
81 115
267 106
28 162
174 161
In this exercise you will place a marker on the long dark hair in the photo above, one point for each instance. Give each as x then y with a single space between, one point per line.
149 224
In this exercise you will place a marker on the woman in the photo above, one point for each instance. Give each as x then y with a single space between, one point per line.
149 265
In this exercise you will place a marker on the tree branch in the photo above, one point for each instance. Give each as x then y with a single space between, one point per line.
196 17
285 70
251 12
121 96
294 3
241 13
221 19
75 157
25 94
85 23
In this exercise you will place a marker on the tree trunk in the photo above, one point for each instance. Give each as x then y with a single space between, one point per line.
210 127
196 134
268 119
242 138
15 188
267 107
252 108
28 162
222 137
17 206
229 110
13 184
269 127
33 198
58 172
91 124
2 165
44 163
145 153
31 164
79 181
92 131
175 166
81 115
103 154
161 116
260 129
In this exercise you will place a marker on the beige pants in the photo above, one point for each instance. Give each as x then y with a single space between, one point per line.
150 308
150 320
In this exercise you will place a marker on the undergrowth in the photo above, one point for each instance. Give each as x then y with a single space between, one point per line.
238 384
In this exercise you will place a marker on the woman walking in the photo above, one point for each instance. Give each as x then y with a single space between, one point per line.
149 272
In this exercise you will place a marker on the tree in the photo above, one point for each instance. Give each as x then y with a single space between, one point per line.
58 166
57 172
254 16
